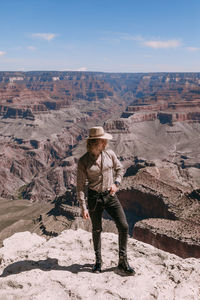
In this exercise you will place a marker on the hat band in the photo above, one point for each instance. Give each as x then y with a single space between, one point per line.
98 135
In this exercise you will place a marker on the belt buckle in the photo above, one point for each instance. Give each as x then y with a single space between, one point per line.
107 192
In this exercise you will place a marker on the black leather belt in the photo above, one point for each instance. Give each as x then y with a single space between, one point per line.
99 194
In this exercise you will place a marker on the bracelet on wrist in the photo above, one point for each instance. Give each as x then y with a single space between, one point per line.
117 183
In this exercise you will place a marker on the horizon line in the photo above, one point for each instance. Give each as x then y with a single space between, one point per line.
105 72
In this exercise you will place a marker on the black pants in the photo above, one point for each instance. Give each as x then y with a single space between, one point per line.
97 202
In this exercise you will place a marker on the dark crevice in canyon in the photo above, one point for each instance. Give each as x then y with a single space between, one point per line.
139 205
153 220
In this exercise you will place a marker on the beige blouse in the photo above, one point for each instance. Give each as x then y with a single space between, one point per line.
98 174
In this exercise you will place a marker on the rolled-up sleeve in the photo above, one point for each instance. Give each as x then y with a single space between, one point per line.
81 182
118 168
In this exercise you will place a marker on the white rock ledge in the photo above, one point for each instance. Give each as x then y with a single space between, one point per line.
32 268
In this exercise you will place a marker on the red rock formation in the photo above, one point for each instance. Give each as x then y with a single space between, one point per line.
170 118
17 113
142 117
120 125
171 215
179 237
185 106
146 107
49 92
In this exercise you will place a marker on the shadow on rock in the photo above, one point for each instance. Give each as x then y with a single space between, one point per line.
45 265
48 265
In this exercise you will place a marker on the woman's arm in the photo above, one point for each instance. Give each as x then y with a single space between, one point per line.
81 181
118 168
119 172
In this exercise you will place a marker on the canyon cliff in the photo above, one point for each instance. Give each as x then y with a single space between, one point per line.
155 123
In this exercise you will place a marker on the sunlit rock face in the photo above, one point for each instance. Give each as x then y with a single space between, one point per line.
62 266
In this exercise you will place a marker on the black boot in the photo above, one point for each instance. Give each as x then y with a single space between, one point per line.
97 268
123 266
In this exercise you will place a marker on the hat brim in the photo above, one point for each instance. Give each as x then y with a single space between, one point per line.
105 136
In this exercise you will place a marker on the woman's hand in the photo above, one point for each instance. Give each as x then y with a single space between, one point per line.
85 214
113 189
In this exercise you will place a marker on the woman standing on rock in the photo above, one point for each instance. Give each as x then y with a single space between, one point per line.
96 168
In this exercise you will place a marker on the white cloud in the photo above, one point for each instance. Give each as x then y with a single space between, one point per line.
82 69
2 53
193 49
162 44
111 40
116 37
45 36
128 37
31 48
21 69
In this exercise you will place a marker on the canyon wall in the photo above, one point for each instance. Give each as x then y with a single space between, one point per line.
165 213
154 119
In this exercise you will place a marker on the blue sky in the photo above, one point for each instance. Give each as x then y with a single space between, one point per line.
100 35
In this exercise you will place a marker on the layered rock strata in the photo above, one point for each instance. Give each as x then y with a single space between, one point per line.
166 113
171 216
180 237
45 117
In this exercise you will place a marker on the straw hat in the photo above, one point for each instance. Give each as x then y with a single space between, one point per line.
98 133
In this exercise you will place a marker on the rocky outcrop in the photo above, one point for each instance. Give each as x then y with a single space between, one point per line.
13 113
131 109
122 125
33 169
170 117
185 106
166 113
64 216
170 215
179 237
165 117
10 112
145 204
61 267
119 125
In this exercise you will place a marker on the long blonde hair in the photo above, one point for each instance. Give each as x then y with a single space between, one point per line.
97 144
